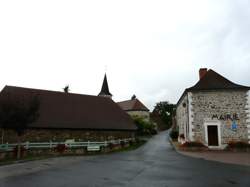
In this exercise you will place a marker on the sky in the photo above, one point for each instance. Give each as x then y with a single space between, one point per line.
152 49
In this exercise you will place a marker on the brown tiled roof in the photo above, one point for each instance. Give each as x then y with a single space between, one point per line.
132 105
75 111
213 81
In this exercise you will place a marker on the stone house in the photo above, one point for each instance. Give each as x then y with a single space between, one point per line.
135 108
65 116
215 111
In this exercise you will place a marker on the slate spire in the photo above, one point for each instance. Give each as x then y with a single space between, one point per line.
105 88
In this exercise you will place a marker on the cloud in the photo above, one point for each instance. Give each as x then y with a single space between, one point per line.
153 49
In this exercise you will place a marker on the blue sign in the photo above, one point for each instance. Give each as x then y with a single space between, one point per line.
234 126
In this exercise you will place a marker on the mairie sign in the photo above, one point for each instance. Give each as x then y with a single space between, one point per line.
225 117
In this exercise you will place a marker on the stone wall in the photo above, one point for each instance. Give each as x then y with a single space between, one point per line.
248 115
58 135
182 115
217 105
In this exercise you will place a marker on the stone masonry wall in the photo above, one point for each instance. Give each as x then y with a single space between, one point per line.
182 115
248 115
213 104
45 135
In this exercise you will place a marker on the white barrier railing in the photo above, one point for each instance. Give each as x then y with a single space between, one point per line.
44 145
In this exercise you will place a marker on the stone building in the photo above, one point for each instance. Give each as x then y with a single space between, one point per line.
65 116
135 108
215 111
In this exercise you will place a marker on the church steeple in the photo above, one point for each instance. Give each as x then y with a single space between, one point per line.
105 88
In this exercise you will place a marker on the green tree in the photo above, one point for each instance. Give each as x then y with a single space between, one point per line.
166 111
17 113
144 127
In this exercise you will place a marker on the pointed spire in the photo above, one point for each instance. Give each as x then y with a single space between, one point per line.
105 88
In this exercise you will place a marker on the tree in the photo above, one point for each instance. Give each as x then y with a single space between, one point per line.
144 127
17 112
166 111
66 89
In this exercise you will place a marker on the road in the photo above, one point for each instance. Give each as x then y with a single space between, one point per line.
154 164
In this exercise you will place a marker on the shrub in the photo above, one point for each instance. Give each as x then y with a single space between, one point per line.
137 140
61 148
131 142
144 127
153 132
239 145
193 144
174 134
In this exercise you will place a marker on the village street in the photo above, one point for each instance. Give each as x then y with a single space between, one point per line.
154 164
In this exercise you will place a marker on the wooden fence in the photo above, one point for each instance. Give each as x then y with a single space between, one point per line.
69 144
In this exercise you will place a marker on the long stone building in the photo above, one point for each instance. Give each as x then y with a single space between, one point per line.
215 111
65 116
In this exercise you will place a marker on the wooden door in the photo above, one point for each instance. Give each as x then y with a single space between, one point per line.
212 131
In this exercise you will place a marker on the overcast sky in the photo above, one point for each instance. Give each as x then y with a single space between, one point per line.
153 49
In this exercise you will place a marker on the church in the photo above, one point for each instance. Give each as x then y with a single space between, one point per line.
215 111
64 115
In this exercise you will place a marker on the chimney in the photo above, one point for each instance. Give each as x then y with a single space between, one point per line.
202 72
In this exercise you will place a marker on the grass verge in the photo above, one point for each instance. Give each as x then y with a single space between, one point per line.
41 157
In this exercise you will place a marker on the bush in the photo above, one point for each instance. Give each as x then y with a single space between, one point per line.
144 127
238 145
153 132
61 148
174 134
193 144
131 142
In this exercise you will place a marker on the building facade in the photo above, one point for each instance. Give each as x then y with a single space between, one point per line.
215 111
135 108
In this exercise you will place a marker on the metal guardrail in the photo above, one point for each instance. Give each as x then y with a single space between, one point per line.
50 145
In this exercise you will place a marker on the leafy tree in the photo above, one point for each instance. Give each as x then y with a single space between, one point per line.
144 127
17 113
166 111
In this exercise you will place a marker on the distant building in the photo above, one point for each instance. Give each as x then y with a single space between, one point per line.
72 116
135 108
215 111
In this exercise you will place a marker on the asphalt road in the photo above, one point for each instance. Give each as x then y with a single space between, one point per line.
155 164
